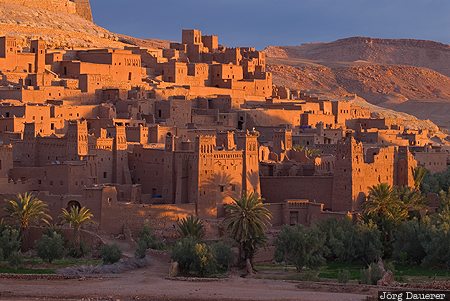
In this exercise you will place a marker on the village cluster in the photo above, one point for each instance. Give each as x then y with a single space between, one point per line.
153 135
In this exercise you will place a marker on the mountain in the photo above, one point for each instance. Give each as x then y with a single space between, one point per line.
62 24
406 75
419 53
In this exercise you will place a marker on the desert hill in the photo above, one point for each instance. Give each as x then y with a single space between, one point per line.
60 25
405 75
419 53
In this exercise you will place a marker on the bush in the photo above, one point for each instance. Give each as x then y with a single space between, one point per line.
194 258
349 242
50 247
407 246
78 251
308 275
369 246
141 250
343 276
300 246
191 226
223 255
110 254
371 275
15 259
152 242
435 240
9 241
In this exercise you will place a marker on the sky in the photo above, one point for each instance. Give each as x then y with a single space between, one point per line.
260 23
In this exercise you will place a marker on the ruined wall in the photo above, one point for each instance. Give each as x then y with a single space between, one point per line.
78 7
279 189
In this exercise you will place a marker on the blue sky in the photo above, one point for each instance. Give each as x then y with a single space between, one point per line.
277 22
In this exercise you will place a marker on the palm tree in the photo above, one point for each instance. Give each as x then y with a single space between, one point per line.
27 210
309 152
419 174
383 203
76 218
191 227
412 199
246 221
386 210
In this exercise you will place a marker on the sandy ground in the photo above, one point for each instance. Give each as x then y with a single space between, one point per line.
150 284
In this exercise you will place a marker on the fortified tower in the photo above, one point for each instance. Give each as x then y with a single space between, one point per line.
248 142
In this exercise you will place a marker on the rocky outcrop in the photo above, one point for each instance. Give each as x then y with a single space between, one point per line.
81 8
61 24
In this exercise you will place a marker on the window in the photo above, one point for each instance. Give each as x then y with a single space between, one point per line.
293 218
105 174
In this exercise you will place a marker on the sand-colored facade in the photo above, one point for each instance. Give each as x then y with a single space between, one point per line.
151 135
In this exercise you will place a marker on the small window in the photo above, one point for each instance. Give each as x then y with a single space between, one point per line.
105 174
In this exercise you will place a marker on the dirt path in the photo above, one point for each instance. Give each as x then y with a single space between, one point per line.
150 284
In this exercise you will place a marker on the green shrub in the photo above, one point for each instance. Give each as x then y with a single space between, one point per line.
78 251
148 239
300 246
349 242
371 275
110 254
308 275
191 226
9 241
343 276
15 259
141 250
223 255
407 246
194 258
50 247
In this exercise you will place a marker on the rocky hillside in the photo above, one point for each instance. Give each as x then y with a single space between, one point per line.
59 28
406 75
419 53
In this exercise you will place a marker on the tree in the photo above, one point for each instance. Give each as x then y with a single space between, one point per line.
9 241
309 152
436 182
76 218
27 210
386 210
50 247
419 175
246 221
412 199
191 227
300 246
383 203
407 246
350 242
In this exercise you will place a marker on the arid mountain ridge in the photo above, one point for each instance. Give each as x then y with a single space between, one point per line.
406 75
